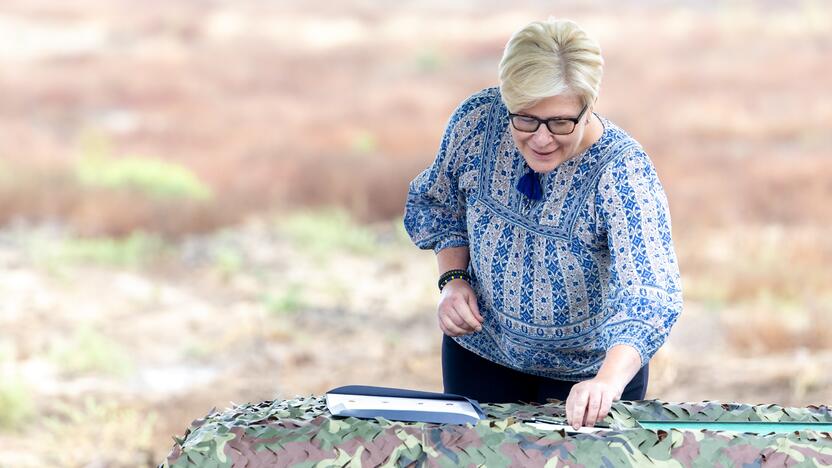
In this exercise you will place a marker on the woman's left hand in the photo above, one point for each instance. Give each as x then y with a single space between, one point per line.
590 401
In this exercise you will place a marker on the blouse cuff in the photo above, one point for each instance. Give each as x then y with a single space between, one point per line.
639 345
454 240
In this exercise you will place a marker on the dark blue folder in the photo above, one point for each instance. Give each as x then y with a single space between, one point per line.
403 415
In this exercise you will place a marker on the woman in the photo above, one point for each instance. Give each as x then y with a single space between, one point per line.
553 235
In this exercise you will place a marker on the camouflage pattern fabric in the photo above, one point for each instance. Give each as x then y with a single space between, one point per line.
301 433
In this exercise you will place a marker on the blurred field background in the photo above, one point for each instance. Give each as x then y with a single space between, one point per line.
201 201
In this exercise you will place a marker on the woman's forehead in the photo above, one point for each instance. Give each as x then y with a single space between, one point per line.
561 105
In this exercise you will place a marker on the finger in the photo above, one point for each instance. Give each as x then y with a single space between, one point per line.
593 405
475 308
442 325
606 404
464 311
442 328
570 403
578 409
456 318
452 327
448 309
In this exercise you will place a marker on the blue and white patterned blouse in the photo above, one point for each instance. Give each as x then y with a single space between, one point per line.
558 280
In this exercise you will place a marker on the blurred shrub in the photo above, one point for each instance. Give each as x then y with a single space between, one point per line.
364 143
429 60
16 405
136 250
148 176
88 351
401 235
95 433
288 301
328 231
228 262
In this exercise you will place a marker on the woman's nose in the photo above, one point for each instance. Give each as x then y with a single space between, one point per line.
542 136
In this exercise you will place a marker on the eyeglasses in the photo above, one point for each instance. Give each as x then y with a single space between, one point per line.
558 126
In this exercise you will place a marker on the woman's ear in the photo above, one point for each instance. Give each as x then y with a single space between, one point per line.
591 110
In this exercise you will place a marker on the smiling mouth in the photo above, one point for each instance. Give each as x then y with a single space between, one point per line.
539 153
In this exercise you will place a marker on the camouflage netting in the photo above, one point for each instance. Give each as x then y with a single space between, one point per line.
301 433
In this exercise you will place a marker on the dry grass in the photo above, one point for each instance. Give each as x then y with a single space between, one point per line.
736 140
753 263
768 285
761 331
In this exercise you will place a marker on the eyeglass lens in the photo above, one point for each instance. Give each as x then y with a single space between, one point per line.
528 124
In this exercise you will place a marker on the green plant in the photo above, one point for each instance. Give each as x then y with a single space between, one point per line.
88 351
150 176
228 261
288 301
133 251
200 350
16 405
98 168
364 143
99 433
328 231
402 236
429 60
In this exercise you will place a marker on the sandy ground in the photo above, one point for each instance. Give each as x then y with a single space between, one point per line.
149 349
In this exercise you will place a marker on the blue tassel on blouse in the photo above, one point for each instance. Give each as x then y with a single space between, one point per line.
529 185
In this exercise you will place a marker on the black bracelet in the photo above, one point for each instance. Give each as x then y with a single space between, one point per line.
451 275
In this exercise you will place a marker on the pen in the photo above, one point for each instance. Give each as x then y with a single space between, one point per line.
562 422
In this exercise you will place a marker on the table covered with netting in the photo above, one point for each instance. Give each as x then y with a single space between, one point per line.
301 432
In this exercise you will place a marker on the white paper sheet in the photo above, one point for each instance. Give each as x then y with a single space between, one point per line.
337 403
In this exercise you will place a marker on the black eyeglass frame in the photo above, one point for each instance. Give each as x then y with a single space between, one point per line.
574 121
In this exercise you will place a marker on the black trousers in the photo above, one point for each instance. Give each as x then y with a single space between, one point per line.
467 374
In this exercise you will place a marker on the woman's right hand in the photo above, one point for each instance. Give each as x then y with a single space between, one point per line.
458 312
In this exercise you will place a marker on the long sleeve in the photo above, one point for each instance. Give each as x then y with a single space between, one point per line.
644 286
435 207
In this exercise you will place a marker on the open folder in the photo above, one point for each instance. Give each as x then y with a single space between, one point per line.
399 404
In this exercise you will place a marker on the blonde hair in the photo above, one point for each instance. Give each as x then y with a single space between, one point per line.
548 58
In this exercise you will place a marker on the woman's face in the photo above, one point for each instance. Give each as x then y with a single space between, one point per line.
542 150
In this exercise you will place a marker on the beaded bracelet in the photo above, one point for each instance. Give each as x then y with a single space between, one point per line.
451 275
